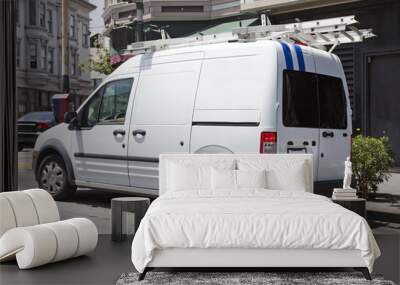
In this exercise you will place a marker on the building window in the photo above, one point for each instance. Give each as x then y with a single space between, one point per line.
44 57
42 14
33 55
18 57
44 101
22 101
73 63
50 60
32 12
85 35
126 14
182 9
72 27
50 21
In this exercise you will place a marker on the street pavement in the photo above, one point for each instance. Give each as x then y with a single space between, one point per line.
95 204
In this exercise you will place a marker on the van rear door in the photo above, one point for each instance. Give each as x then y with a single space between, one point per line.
298 130
315 120
335 134
297 116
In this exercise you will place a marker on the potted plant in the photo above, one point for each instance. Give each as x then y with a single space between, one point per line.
371 158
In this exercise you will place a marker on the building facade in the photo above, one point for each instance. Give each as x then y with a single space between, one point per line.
38 52
184 17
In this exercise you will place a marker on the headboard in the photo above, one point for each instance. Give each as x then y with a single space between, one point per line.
268 159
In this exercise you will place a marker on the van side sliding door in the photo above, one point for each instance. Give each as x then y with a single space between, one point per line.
162 116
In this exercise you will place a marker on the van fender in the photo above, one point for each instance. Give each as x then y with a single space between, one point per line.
55 146
212 149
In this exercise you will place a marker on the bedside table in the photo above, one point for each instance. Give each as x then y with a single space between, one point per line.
357 205
127 212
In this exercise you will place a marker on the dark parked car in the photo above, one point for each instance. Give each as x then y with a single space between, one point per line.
31 125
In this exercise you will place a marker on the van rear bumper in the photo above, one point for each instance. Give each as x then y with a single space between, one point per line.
325 188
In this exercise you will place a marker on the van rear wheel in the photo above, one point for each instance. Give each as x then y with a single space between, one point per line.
53 178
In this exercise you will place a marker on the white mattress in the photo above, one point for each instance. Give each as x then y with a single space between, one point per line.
252 219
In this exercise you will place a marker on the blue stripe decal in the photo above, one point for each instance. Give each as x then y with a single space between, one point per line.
300 58
288 56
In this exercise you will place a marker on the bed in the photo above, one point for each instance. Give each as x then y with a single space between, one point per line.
247 210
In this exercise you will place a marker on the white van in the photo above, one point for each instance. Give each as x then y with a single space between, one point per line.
262 96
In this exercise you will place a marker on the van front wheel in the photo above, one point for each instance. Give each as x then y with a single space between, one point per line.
53 178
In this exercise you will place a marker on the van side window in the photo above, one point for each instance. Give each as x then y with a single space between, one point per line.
89 114
332 102
115 101
300 102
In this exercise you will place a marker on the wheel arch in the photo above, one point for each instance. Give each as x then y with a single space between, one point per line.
55 147
213 149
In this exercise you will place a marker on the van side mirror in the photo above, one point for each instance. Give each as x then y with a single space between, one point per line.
69 117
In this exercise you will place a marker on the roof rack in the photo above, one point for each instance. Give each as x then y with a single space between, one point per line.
318 34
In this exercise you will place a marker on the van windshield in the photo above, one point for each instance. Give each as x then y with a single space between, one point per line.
313 101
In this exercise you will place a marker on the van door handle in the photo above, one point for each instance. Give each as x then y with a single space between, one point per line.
296 149
327 134
139 132
119 132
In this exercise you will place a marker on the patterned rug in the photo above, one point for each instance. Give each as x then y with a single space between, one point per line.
243 278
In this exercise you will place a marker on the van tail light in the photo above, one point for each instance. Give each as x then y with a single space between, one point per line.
268 142
42 126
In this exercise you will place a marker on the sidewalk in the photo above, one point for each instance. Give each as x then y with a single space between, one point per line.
385 207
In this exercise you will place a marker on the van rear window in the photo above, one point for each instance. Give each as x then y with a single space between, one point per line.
300 105
313 101
332 103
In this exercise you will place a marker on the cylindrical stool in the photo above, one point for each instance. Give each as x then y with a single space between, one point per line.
120 209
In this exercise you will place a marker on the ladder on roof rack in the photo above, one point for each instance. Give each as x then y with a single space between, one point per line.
318 34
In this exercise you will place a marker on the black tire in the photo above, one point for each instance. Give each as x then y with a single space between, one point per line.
52 177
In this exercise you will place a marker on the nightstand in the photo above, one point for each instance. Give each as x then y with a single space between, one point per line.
126 214
357 205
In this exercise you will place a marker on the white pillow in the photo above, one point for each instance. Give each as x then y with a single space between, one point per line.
251 178
186 174
282 174
237 179
223 179
293 179
187 177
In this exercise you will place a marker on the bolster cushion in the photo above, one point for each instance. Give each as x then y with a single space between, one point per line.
26 208
33 246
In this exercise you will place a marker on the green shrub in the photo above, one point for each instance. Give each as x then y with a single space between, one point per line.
371 158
